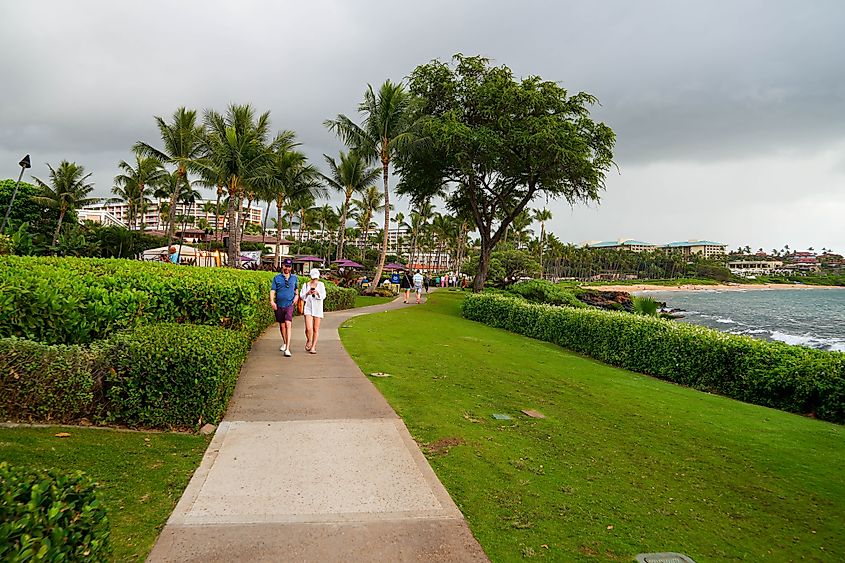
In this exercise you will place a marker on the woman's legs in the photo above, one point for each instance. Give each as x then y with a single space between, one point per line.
309 331
407 294
315 333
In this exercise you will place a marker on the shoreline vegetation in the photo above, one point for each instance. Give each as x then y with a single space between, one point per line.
707 287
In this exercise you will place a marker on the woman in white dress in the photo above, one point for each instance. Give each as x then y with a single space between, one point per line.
313 294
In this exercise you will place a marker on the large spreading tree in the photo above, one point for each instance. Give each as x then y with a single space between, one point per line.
492 144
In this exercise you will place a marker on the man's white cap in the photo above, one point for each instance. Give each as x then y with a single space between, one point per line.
315 273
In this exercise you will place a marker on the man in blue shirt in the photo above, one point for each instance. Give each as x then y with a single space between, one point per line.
283 297
174 255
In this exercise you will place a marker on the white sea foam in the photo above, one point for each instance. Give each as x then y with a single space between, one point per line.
836 344
726 321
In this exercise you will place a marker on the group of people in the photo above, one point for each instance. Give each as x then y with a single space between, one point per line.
416 281
285 294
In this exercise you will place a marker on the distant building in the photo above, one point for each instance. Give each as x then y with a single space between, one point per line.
625 244
749 268
705 248
118 214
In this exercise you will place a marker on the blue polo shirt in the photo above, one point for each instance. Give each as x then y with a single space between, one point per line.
285 289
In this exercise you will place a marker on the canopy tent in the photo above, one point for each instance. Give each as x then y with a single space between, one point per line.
195 255
303 259
394 266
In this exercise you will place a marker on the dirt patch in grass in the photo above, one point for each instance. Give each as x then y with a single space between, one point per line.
442 446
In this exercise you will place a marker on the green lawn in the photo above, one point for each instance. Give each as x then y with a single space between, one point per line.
141 475
366 301
622 464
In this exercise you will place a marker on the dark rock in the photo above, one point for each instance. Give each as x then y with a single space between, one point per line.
610 300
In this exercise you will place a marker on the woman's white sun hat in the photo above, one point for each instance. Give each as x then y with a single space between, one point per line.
315 274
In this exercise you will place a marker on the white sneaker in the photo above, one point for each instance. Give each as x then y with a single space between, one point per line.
282 348
287 353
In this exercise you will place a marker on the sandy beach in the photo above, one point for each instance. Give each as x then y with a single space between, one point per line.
716 287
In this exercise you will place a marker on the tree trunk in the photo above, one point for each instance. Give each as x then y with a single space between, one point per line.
62 211
171 213
483 265
232 213
342 233
217 214
377 276
264 225
280 213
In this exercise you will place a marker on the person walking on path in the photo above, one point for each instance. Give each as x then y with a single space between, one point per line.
405 283
313 294
418 283
426 282
283 297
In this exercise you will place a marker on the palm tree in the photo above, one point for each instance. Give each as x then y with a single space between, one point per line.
183 146
134 185
350 176
369 204
541 216
66 192
399 219
385 133
238 152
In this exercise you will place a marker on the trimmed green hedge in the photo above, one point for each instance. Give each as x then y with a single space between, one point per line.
338 298
541 291
171 375
773 374
45 383
50 516
79 300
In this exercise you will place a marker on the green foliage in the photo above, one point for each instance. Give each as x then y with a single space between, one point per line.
772 374
45 383
507 265
647 306
712 271
69 300
50 516
7 246
171 375
541 291
339 298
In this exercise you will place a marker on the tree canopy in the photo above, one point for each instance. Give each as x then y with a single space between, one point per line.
492 144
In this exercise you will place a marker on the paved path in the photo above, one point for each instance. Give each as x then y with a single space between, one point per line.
311 464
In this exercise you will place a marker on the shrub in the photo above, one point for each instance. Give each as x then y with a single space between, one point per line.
773 374
171 375
541 291
50 516
45 383
72 300
338 298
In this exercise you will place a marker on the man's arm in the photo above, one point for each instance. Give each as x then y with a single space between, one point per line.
273 299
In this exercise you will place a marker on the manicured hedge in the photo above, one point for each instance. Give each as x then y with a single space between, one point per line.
772 374
338 298
50 516
79 300
45 383
541 291
171 375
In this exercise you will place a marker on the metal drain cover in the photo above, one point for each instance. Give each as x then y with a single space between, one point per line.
663 558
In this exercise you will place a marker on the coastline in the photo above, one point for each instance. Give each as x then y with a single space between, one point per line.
715 287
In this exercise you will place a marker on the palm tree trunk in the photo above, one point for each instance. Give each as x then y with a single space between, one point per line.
342 234
171 215
279 213
264 224
217 214
62 211
377 276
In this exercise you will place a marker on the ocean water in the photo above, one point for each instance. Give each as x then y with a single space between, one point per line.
805 317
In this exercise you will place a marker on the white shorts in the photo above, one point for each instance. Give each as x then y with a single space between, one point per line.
418 288
313 307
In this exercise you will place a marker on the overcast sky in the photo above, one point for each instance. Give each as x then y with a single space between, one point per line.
730 115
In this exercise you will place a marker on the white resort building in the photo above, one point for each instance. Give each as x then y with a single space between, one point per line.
118 214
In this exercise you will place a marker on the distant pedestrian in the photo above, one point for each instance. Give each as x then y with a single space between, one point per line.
283 297
405 284
418 284
314 294
174 255
426 282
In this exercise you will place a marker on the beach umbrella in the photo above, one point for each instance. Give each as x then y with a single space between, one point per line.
351 264
394 266
340 261
308 259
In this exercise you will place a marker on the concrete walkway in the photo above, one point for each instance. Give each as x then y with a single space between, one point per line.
311 464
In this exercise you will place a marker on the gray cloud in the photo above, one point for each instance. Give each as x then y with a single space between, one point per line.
697 90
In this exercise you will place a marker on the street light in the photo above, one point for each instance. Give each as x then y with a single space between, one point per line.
24 164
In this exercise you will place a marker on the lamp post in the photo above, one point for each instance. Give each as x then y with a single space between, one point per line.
24 164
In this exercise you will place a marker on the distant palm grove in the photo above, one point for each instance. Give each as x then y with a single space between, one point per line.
467 135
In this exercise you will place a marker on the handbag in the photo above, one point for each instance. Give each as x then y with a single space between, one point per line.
300 306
